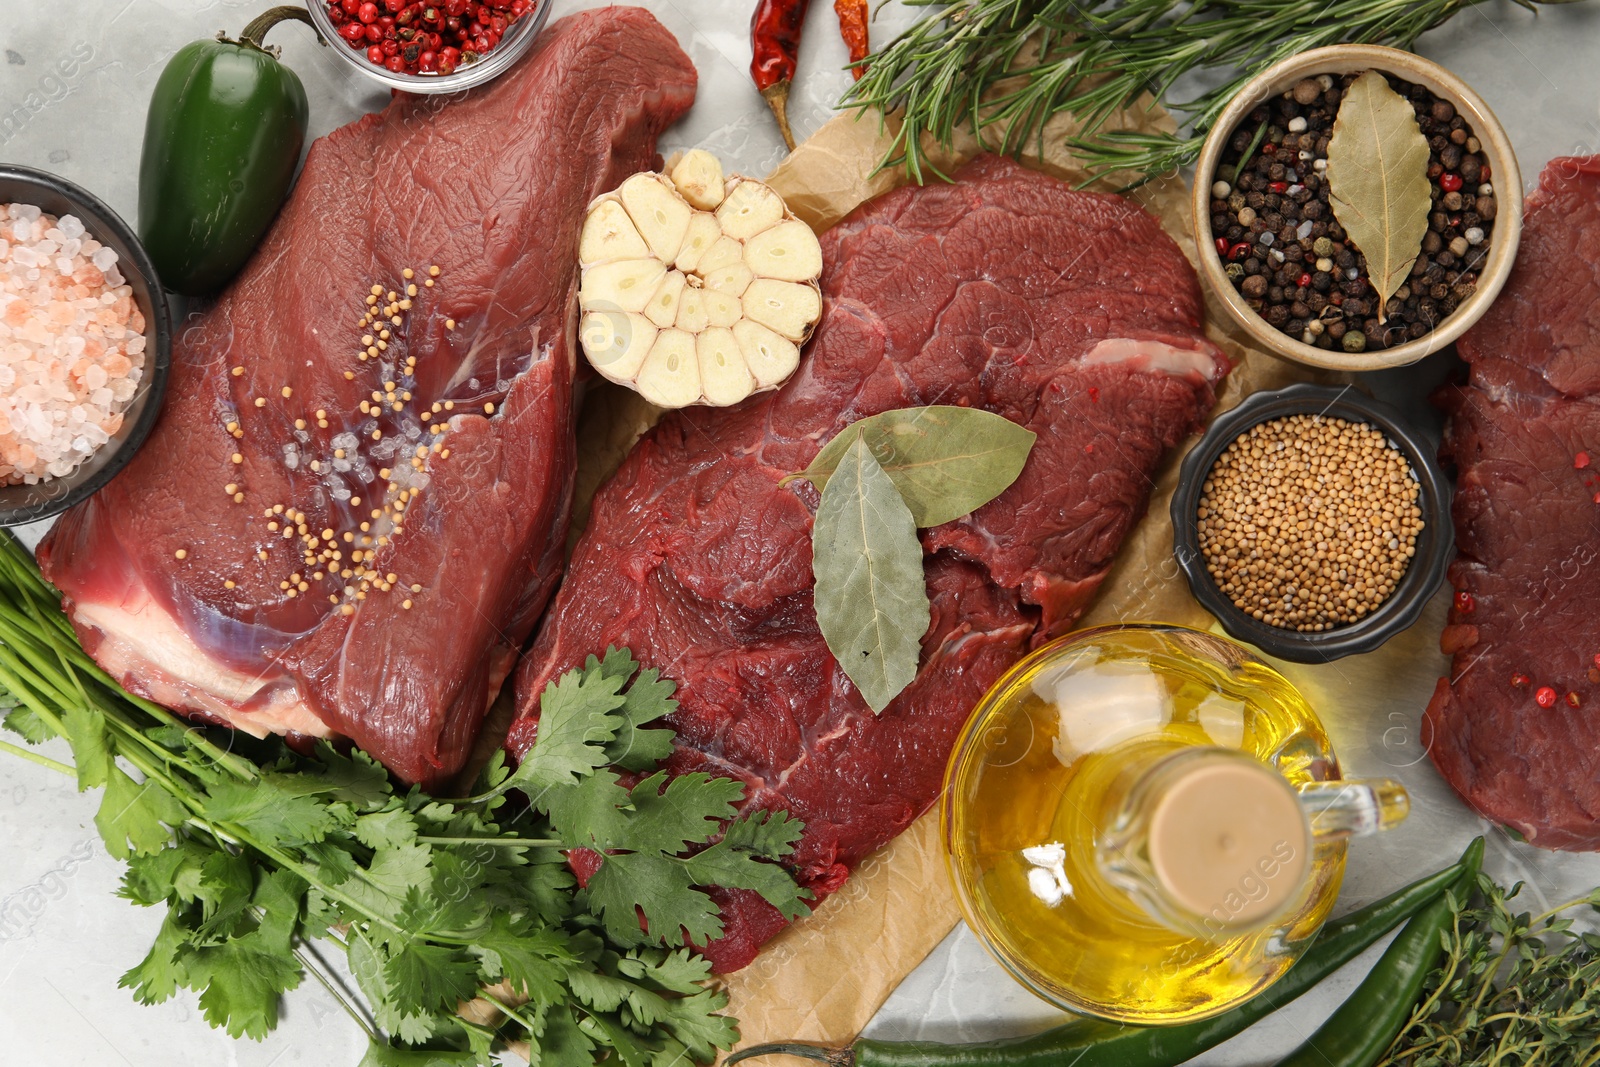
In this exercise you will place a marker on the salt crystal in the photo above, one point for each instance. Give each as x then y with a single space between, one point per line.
1303 230
291 456
1266 239
71 246
70 226
30 212
64 265
104 260
114 277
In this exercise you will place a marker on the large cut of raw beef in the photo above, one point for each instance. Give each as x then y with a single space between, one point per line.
1069 312
1525 436
297 549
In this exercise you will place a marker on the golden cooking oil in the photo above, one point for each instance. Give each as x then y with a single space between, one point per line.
1037 823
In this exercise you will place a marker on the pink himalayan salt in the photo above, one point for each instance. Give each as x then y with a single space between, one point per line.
71 344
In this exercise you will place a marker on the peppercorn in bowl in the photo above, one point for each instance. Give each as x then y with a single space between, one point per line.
1312 522
85 344
439 46
1268 213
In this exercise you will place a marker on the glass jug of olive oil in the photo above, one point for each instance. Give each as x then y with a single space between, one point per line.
1147 823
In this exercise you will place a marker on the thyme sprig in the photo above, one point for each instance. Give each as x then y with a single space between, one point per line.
1513 990
1094 58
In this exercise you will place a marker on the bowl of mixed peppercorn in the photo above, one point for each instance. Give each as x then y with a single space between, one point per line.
1271 244
430 46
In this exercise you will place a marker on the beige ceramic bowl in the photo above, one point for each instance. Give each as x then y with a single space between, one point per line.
1347 59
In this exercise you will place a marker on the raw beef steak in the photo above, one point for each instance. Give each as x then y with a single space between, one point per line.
298 548
1068 312
1525 436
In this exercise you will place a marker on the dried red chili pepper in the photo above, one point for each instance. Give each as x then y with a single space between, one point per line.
775 47
853 16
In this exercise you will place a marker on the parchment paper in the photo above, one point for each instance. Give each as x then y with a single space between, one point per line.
823 978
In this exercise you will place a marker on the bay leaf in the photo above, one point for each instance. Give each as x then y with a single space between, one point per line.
1378 181
871 596
946 461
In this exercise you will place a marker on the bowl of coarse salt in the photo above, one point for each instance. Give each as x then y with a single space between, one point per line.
85 345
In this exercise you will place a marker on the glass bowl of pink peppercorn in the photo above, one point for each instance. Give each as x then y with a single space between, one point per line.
430 47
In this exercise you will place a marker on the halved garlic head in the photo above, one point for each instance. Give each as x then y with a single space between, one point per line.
697 289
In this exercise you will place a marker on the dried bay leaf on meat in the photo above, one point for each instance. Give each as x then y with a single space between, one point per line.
1378 181
871 596
946 461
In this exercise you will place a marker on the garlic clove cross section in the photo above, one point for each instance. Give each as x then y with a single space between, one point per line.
696 288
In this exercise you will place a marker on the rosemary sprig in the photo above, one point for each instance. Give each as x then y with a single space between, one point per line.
1096 57
1513 990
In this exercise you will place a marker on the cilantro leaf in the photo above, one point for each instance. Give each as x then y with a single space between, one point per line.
733 868
272 809
693 1020
91 748
131 815
240 982
430 976
660 887
27 724
562 1043
647 700
386 829
771 834
533 965
577 718
379 1055
408 1022
689 810
157 977
355 779
680 970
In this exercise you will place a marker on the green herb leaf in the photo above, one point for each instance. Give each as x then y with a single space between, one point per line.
131 815
275 810
1378 180
871 598
661 887
25 723
241 982
91 754
946 461
157 978
577 719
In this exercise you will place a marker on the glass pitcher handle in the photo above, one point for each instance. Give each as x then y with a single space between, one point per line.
1356 808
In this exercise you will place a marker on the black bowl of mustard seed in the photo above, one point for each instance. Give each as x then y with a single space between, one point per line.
1268 210
1312 523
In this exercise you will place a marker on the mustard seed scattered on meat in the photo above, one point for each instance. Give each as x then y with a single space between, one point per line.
1308 523
182 553
237 458
261 401
433 272
238 371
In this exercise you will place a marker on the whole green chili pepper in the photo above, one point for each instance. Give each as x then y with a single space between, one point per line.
1366 1024
221 144
1115 1045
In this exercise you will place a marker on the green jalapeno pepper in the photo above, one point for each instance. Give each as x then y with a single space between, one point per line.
221 145
1106 1044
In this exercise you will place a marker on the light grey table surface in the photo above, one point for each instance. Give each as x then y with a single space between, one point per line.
74 83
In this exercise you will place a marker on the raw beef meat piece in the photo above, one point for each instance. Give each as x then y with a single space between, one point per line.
195 600
1069 312
1525 436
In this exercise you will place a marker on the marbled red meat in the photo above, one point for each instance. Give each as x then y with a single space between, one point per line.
195 600
1524 433
1069 312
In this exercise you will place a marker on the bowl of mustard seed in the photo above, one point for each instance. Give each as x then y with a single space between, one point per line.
1312 522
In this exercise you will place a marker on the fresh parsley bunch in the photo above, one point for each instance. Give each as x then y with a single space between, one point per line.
461 922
